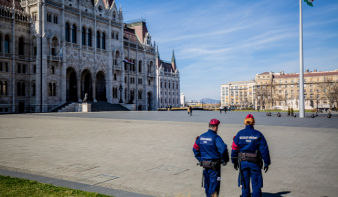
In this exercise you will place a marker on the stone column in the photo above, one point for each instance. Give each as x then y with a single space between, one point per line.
79 89
94 90
109 78
13 62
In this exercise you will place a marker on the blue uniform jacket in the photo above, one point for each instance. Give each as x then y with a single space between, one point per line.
249 140
210 146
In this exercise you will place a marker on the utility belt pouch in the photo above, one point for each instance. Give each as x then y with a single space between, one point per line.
251 157
214 165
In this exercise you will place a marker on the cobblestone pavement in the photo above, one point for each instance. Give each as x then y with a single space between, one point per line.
151 152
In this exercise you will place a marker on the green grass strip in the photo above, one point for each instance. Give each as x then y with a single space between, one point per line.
22 187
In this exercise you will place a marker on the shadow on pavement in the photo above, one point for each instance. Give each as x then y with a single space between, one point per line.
279 194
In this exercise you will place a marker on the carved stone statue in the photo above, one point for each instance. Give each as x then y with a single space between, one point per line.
85 98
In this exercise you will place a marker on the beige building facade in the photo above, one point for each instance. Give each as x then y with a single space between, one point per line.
238 94
281 90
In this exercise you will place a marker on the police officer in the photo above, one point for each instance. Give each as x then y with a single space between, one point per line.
211 151
249 148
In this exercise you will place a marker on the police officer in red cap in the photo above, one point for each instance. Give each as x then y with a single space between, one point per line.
249 150
211 152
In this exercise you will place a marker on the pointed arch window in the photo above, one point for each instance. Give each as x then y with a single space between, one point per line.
98 39
83 36
67 33
21 46
140 66
6 44
74 33
114 16
103 40
89 35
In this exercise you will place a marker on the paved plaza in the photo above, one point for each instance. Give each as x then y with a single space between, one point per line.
150 153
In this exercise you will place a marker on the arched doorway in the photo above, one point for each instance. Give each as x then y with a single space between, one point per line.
100 87
149 95
71 85
86 81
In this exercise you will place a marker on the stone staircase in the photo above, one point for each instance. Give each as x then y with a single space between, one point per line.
104 106
72 107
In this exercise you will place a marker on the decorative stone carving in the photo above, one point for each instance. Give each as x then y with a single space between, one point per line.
87 4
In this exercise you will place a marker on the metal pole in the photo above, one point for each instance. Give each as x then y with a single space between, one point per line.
301 68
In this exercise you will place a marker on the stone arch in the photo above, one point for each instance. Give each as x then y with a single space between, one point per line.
150 100
86 84
100 82
71 84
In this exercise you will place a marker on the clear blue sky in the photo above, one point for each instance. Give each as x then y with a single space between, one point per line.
229 40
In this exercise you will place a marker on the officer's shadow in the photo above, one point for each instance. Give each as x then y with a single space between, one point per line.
279 194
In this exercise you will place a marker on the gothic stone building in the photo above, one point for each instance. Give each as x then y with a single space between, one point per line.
55 51
168 80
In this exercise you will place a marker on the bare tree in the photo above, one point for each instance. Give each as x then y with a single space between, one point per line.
329 88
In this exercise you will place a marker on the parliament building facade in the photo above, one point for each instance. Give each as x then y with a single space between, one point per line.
54 52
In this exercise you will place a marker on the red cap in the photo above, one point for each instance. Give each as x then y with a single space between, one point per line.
249 116
214 122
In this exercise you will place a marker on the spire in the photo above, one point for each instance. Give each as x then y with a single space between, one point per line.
173 61
157 53
173 58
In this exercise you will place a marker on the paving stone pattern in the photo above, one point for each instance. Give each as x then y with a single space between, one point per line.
150 153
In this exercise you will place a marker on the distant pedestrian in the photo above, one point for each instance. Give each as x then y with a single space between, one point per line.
225 109
220 109
188 109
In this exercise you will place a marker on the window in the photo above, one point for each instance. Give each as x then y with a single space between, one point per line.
310 90
34 68
33 89
317 96
0 65
125 79
35 52
19 68
89 39
21 46
311 95
98 39
140 94
67 32
280 81
49 17
52 70
6 44
117 36
74 33
114 92
6 67
21 89
149 82
34 15
52 89
140 66
55 19
83 36
103 40
139 81
114 16
115 76
4 88
169 85
23 68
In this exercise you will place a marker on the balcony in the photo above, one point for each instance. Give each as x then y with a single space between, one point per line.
53 58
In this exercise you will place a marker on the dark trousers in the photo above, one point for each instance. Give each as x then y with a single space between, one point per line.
254 172
212 181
